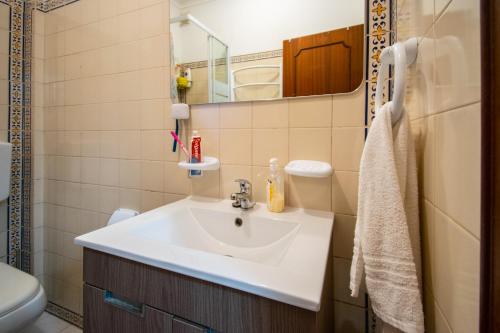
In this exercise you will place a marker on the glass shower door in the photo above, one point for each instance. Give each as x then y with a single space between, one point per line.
218 71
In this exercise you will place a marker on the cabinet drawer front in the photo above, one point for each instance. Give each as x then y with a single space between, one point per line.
181 326
107 313
221 308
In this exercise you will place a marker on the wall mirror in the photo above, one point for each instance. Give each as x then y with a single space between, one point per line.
246 50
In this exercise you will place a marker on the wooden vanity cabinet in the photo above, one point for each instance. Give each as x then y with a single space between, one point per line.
124 296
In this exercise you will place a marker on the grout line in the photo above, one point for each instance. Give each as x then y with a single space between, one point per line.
438 307
346 303
450 109
441 13
453 220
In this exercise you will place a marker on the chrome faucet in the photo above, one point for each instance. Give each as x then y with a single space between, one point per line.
243 199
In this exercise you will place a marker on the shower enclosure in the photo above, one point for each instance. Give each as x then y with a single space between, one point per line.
217 55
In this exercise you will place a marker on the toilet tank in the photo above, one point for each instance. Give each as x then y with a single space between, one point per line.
5 163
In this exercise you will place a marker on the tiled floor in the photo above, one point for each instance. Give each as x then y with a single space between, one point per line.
48 323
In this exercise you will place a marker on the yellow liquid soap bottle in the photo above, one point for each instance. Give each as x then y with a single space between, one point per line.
275 188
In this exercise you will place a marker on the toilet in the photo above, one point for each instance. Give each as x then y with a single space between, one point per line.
22 298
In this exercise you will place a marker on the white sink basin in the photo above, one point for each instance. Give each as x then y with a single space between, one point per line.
279 256
258 239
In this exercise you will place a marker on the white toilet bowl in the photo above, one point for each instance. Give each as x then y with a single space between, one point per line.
22 299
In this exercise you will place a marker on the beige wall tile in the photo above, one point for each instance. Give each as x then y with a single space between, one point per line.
228 175
420 20
311 144
90 144
152 20
310 112
130 144
108 8
109 172
341 277
343 235
152 114
90 197
176 179
424 135
259 181
152 173
131 199
89 117
110 144
457 55
456 274
428 244
169 197
270 114
235 115
269 143
236 147
208 185
151 200
130 174
154 145
90 170
310 193
348 143
349 318
349 109
458 165
345 192
109 199
205 116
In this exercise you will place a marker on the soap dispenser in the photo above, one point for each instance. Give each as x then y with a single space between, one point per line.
275 188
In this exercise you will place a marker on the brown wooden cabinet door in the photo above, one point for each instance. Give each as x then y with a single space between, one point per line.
325 63
102 317
182 326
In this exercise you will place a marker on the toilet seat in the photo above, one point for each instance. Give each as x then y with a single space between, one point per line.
22 299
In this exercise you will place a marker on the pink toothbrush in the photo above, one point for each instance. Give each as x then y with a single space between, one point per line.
176 138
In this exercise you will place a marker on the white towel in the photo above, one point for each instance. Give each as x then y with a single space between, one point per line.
387 235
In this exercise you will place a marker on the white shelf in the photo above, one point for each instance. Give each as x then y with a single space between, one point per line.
209 163
307 168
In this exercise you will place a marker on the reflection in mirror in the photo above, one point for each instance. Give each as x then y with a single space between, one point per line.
242 50
4 108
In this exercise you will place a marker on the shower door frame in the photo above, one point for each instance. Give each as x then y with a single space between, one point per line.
490 167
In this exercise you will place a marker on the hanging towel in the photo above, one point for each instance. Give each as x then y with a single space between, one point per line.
387 236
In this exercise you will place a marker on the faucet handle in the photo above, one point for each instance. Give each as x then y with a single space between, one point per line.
245 185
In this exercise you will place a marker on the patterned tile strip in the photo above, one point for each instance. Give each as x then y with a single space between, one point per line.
26 241
237 59
15 132
65 314
379 35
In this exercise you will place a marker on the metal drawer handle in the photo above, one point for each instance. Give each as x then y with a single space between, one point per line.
123 304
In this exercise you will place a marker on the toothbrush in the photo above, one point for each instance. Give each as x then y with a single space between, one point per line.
176 138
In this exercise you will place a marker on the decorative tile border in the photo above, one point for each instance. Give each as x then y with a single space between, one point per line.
48 5
237 59
26 217
379 34
16 137
65 314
